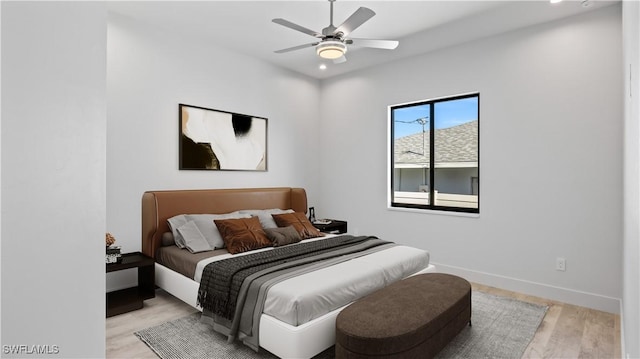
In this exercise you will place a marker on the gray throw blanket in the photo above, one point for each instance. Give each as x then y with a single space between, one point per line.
221 281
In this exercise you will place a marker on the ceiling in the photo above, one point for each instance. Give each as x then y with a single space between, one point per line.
420 26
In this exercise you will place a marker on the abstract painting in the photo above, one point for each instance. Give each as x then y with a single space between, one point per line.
220 140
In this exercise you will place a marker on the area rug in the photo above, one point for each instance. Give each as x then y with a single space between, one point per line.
501 328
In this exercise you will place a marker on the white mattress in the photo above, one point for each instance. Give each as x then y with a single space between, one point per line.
301 299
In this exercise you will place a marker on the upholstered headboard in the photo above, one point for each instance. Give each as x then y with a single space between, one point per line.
158 206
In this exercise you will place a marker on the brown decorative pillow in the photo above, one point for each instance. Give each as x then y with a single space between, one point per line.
300 222
167 239
282 236
242 234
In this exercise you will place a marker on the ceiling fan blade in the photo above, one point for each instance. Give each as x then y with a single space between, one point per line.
296 48
355 20
340 60
296 27
378 44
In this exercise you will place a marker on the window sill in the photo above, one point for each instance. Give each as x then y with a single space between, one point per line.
433 211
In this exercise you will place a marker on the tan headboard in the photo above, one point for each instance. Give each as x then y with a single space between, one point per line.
158 206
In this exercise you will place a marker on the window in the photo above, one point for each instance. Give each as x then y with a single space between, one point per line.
434 154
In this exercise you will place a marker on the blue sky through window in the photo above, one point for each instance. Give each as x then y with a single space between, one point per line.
447 113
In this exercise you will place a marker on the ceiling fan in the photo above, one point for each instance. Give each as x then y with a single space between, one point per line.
333 40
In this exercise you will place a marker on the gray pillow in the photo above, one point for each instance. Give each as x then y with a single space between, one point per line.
193 238
264 215
167 239
283 235
175 222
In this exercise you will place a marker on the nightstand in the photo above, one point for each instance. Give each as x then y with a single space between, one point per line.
126 300
336 226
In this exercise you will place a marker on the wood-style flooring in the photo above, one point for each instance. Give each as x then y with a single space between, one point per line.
567 331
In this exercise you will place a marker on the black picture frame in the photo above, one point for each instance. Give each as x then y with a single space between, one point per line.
218 140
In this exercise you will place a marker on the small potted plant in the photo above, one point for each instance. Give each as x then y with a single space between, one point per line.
113 252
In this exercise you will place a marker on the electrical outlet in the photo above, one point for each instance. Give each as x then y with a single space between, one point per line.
561 264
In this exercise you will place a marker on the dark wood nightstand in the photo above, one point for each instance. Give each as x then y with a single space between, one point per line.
126 300
335 226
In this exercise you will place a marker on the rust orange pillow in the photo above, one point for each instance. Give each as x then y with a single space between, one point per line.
242 234
300 222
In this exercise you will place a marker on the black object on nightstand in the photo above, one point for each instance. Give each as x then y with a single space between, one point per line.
126 300
335 226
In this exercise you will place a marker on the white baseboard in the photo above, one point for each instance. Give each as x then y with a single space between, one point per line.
623 346
565 295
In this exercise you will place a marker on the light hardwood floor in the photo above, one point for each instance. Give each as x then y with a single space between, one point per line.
567 331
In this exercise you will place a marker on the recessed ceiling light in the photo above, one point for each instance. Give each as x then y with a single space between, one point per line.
322 67
555 1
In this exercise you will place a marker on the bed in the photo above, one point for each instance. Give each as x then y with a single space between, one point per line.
276 335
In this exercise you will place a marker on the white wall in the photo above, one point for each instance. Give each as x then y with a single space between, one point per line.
550 157
151 71
53 177
548 95
631 272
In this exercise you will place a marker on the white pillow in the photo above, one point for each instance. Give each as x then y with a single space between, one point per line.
193 238
209 231
264 215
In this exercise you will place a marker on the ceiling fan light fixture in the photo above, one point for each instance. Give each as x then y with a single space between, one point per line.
331 49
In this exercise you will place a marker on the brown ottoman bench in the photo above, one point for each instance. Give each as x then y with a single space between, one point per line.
413 318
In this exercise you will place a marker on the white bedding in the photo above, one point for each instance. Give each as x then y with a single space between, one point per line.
301 299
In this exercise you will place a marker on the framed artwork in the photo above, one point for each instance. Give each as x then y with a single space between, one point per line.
220 140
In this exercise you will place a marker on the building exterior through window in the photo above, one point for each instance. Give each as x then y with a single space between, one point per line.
442 135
